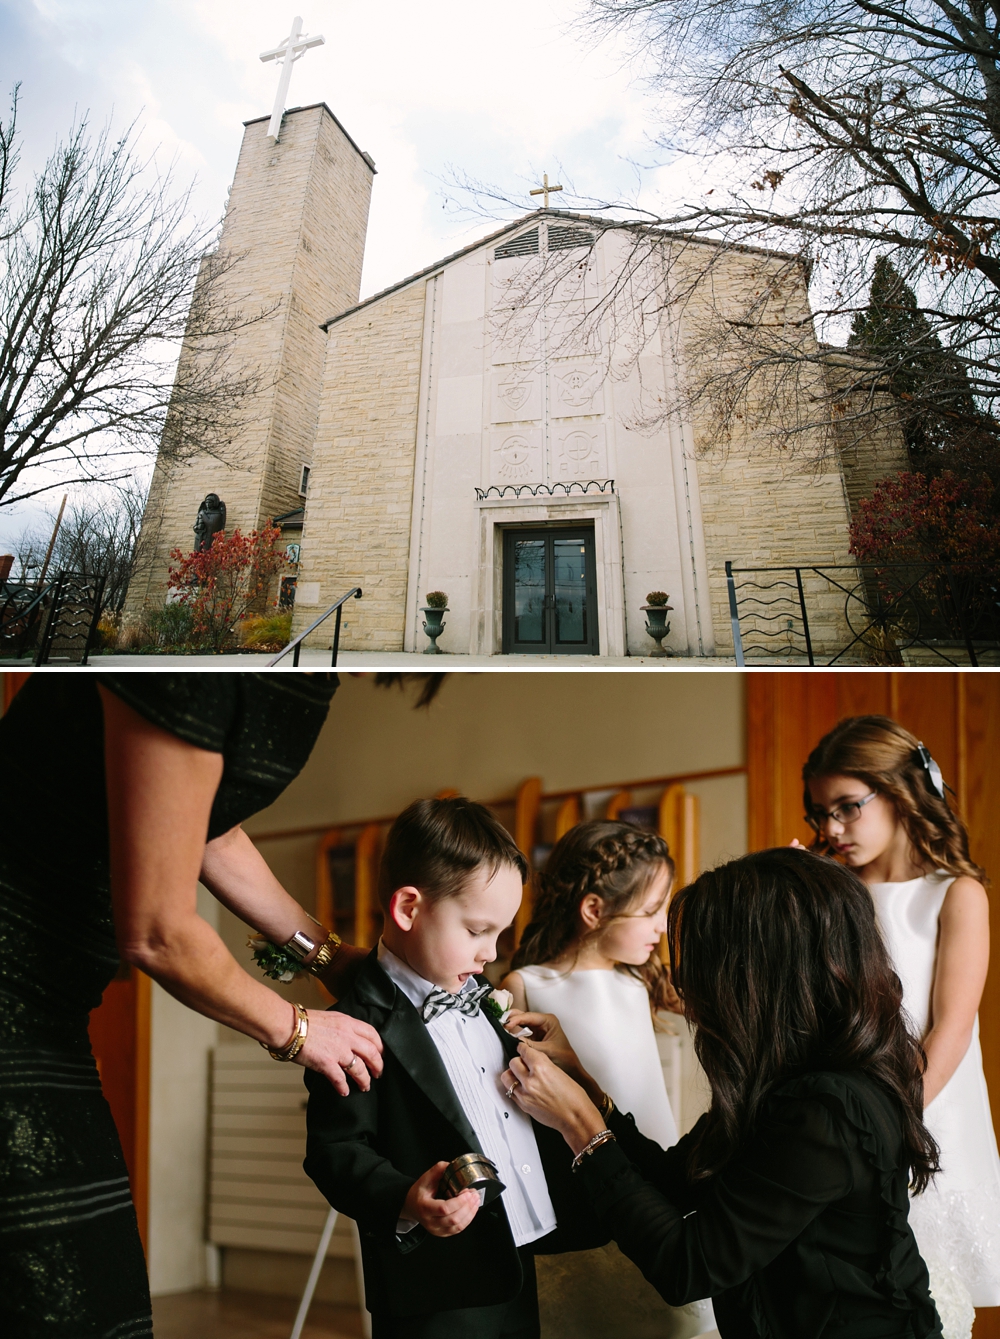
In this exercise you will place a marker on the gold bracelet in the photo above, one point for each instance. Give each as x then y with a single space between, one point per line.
298 1038
602 1137
326 954
607 1106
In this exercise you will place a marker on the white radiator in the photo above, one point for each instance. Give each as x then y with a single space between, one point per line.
259 1196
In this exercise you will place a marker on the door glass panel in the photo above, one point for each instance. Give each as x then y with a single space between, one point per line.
529 590
570 590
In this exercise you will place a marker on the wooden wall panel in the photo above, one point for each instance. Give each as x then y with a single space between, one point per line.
120 1041
982 735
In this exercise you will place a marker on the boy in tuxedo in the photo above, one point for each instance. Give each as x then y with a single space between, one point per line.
450 883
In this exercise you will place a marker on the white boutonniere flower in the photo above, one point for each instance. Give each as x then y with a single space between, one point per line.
498 1003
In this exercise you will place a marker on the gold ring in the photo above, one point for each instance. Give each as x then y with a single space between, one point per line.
515 1084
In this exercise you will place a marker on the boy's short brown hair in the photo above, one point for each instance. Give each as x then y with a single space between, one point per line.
436 845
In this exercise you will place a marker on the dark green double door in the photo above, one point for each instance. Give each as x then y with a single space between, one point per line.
550 592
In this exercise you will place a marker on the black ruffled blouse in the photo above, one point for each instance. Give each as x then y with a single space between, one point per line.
803 1234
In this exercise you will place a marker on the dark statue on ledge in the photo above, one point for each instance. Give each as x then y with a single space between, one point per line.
210 520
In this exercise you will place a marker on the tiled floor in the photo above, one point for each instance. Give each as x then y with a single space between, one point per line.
244 1315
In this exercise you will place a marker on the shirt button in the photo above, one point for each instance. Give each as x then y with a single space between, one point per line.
506 1115
481 1070
525 1168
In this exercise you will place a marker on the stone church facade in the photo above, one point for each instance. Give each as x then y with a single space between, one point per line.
496 427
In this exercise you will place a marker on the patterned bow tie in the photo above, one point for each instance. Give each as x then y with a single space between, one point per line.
466 1002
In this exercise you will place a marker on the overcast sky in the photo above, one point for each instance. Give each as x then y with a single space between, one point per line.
498 91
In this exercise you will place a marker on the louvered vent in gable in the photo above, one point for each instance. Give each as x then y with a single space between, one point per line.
562 238
524 244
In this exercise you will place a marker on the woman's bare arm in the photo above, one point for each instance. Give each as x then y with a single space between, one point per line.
160 794
963 956
239 876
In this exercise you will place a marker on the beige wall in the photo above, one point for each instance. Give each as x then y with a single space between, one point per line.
484 734
771 479
357 523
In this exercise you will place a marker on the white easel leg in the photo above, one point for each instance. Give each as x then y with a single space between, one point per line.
313 1279
359 1274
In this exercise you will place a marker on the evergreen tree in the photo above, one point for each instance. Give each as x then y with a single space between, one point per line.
937 409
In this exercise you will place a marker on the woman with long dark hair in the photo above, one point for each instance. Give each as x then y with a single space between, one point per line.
787 1203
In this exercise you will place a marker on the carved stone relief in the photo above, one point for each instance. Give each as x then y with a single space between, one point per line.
517 394
580 453
516 456
576 390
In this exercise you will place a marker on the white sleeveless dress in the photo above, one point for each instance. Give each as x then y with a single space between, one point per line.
956 1221
596 1294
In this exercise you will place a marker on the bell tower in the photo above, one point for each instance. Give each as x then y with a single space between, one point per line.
294 232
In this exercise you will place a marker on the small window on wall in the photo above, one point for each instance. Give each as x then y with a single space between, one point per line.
304 481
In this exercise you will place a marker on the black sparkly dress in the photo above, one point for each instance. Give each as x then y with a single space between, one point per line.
71 1263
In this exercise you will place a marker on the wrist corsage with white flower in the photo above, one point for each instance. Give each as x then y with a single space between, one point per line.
275 962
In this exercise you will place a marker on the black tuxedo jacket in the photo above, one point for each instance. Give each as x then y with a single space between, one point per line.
364 1152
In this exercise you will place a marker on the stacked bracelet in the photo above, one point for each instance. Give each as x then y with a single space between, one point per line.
326 954
607 1106
284 962
298 1037
600 1138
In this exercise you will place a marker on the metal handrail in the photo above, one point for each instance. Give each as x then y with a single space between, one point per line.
296 645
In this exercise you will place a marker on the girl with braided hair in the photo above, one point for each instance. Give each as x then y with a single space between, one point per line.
590 956
877 802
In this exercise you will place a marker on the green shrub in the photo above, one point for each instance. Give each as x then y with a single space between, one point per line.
165 630
437 599
658 598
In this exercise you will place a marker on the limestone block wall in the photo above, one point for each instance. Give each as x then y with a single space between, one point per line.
357 521
772 490
867 429
295 227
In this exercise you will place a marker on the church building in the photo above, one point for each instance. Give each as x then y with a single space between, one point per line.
502 426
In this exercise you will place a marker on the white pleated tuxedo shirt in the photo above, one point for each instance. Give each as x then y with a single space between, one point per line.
474 1060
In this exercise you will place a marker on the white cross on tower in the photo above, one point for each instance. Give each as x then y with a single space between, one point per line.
293 48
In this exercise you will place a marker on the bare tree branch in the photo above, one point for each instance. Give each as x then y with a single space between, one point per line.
103 277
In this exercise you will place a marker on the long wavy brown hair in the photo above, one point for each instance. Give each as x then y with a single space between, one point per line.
616 861
882 754
782 970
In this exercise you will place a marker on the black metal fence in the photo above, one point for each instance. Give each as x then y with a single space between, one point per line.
865 613
57 622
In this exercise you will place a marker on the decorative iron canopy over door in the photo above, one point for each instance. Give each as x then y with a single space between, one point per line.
550 592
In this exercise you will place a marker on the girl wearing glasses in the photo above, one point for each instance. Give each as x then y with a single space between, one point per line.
876 801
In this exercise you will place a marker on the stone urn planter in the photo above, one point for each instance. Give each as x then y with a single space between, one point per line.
434 611
656 611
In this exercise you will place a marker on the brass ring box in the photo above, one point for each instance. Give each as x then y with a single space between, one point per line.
471 1171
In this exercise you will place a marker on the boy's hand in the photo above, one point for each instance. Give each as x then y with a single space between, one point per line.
441 1218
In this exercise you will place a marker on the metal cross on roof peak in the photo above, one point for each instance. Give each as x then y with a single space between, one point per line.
545 189
293 48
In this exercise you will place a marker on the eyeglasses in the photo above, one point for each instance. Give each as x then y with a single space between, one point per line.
844 813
